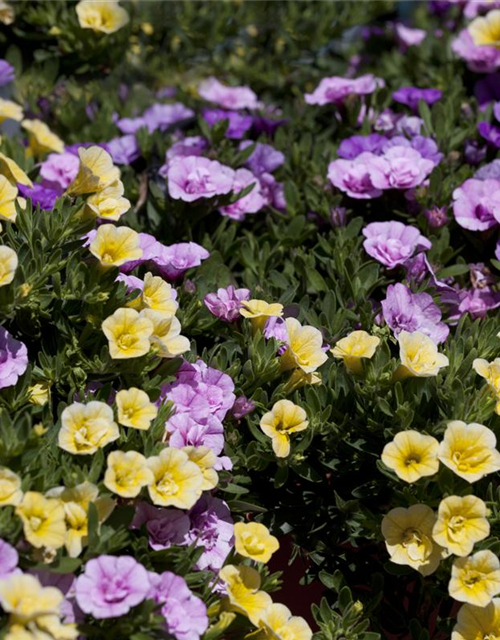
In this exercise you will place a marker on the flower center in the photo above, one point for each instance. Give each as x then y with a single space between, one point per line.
125 341
470 459
418 546
198 181
413 459
167 485
456 523
35 523
252 544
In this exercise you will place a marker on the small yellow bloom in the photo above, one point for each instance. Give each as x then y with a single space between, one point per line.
476 579
85 428
490 371
253 540
105 16
10 111
10 488
8 265
304 347
96 172
8 195
461 523
113 246
412 455
43 520
419 356
109 203
166 334
128 334
157 295
284 418
259 312
242 586
41 140
127 473
408 538
206 459
478 623
7 14
39 393
13 172
354 347
278 622
177 481
135 408
469 450
147 28
485 30
25 599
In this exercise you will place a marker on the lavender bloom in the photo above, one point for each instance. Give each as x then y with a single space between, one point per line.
426 147
490 133
264 158
437 217
226 303
487 89
183 431
165 527
392 243
186 399
354 146
489 171
474 153
407 311
163 116
273 191
191 177
251 203
477 302
213 384
476 204
214 91
41 196
59 170
336 89
111 586
191 146
131 125
185 614
353 177
124 150
242 406
7 73
276 328
238 125
409 125
482 59
13 359
411 96
409 37
212 528
9 559
399 168
173 261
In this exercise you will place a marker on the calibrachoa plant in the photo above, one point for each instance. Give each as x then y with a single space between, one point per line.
249 335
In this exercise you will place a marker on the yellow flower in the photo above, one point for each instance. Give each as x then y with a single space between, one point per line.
475 579
408 538
128 334
469 450
206 459
478 623
127 473
284 418
157 295
113 246
135 409
490 371
8 195
253 540
10 111
43 520
259 311
419 356
105 16
85 428
242 586
41 140
8 265
166 334
303 347
147 28
412 455
279 623
10 488
7 14
96 172
461 523
485 30
25 599
39 393
177 481
354 347
109 203
13 172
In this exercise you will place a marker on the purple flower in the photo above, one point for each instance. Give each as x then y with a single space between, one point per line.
409 37
352 147
41 196
487 89
226 303
336 89
124 150
411 96
186 399
409 125
238 123
276 328
9 559
165 527
436 217
264 157
399 168
273 191
59 170
7 73
162 116
131 125
13 359
242 406
482 59
476 204
393 242
353 177
175 260
185 614
474 153
191 178
427 148
407 311
191 146
212 528
184 431
111 586
477 302
490 133
251 203
489 171
214 91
